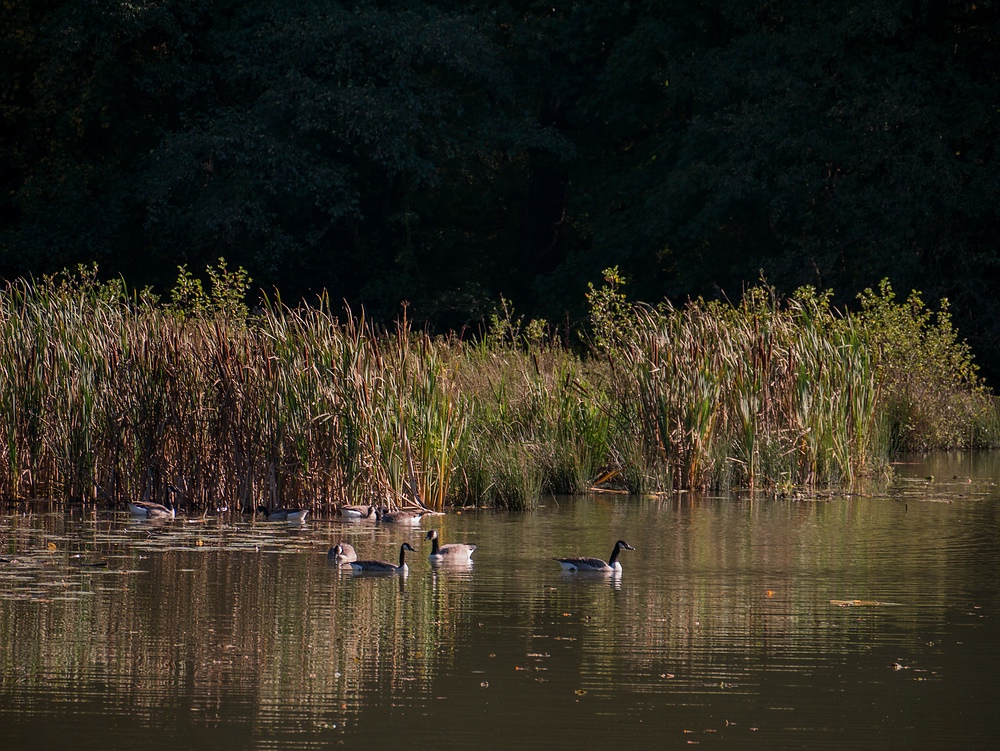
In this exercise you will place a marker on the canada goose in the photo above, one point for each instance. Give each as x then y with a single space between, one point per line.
400 517
357 512
384 566
283 514
455 552
150 510
596 564
342 553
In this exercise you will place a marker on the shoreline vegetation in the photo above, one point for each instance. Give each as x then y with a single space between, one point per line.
110 394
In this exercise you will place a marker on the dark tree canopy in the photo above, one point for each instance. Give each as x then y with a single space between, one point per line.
444 153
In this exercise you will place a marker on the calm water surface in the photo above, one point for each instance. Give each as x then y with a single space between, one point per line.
823 622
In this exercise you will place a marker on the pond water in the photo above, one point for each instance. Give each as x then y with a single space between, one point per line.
824 621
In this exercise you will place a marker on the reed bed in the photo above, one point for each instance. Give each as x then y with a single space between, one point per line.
117 399
108 396
534 427
748 396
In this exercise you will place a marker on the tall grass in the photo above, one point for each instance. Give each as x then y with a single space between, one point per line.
109 395
771 392
535 427
121 397
752 395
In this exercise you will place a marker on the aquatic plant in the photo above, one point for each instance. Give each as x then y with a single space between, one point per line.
767 391
109 395
933 395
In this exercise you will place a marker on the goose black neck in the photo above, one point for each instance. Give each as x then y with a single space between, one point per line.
434 545
402 554
614 555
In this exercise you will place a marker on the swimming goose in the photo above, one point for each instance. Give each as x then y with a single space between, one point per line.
357 512
455 552
150 510
342 553
384 566
283 514
596 564
400 517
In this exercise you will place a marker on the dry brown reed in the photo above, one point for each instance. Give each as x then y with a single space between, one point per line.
750 395
107 396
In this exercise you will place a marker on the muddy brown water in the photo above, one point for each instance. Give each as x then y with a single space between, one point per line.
822 621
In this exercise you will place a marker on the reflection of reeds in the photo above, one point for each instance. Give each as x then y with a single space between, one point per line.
194 616
277 642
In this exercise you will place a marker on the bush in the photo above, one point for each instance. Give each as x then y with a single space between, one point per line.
932 396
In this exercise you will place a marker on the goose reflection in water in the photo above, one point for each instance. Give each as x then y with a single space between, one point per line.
591 578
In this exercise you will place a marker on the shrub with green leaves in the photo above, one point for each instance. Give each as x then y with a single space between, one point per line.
932 396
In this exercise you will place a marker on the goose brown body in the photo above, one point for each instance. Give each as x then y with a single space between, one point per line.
400 517
452 553
283 514
596 564
357 512
342 553
384 567
149 510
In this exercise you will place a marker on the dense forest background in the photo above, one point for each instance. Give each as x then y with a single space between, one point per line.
445 153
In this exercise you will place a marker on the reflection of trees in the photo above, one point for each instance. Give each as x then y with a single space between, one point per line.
219 621
746 588
721 591
194 628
